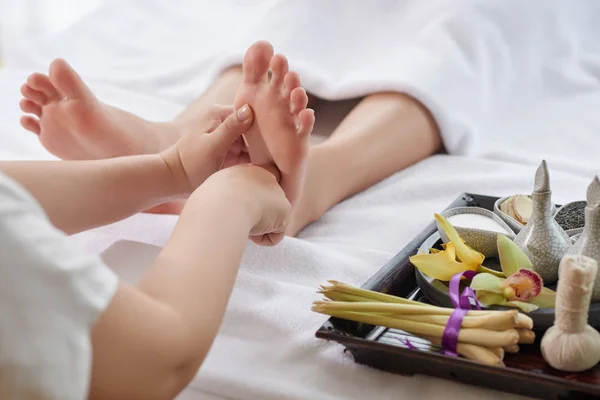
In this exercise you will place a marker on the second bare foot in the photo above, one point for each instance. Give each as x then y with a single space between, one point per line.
73 124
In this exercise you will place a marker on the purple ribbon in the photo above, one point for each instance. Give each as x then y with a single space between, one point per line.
462 305
450 336
408 344
462 301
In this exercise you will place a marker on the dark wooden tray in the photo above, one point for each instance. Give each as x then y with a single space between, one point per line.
526 373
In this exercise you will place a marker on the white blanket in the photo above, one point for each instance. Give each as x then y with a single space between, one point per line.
506 80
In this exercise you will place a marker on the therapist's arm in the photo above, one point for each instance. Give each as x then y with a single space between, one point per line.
152 338
80 195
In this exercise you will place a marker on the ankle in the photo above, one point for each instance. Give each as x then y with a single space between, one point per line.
322 191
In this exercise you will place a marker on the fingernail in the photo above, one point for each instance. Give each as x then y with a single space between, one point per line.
244 113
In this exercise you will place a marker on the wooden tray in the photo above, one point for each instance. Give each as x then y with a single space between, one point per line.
526 373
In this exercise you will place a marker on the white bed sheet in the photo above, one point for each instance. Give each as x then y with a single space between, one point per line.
266 348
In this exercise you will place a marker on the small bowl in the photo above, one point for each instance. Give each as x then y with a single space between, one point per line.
579 216
482 240
515 225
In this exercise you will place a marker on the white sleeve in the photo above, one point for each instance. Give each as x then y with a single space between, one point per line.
50 296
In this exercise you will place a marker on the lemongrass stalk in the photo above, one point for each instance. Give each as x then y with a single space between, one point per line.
482 337
370 294
498 351
474 352
337 289
498 322
340 296
512 349
524 321
526 336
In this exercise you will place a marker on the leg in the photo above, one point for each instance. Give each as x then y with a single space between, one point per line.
74 125
383 134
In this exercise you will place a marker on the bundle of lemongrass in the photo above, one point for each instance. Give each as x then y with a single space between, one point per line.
484 335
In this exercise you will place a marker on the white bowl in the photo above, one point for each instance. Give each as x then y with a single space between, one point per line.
482 240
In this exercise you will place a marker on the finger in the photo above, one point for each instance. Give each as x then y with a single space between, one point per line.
233 127
220 112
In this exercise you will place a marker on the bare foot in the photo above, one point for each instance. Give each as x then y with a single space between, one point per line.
283 124
73 124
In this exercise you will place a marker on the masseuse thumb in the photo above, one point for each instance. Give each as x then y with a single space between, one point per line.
236 124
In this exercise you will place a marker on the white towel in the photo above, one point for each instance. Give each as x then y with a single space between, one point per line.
481 66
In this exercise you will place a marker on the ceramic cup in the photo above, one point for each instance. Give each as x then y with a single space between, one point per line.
484 241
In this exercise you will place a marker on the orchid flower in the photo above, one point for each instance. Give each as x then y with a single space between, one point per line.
455 257
520 287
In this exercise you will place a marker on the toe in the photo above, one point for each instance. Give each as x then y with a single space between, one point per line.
29 93
290 82
298 100
279 67
67 81
256 62
30 107
306 122
31 124
41 83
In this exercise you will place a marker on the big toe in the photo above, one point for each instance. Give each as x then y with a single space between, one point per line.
256 62
67 81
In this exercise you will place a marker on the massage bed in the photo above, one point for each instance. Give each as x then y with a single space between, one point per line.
510 83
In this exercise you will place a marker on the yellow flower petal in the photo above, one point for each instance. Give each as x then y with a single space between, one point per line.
441 265
467 255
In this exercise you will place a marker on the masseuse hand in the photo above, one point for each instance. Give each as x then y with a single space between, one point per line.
204 151
253 190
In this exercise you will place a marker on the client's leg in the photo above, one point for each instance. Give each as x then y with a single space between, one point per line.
73 124
383 134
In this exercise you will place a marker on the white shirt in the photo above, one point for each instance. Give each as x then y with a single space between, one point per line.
51 294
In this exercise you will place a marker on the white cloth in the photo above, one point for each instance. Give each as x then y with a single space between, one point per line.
50 296
507 80
481 66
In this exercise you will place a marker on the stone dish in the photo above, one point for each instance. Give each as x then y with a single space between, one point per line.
484 241
571 216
